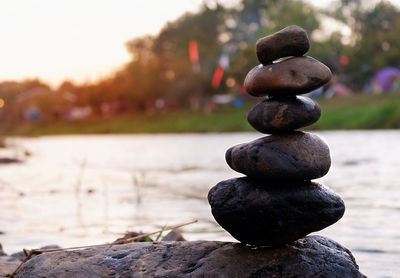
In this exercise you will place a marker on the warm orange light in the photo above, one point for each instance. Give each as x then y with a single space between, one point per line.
217 77
193 51
2 103
230 82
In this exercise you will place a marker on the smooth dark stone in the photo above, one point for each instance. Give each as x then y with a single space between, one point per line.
285 156
313 257
294 76
290 41
283 114
273 213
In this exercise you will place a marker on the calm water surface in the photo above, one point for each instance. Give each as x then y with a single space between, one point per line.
80 190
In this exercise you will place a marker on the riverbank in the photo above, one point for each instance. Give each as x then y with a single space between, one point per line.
355 112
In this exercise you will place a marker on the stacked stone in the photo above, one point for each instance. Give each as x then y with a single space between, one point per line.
277 202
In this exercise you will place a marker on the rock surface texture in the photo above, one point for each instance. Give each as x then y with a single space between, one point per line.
312 256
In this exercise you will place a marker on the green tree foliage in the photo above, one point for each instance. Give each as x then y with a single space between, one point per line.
183 82
374 38
377 33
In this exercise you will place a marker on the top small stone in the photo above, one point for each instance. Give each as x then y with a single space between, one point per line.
290 41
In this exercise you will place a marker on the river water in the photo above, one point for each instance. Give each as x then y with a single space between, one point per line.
81 190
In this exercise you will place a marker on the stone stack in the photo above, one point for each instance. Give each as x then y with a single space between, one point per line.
277 203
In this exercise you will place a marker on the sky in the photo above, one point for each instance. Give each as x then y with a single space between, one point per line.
79 40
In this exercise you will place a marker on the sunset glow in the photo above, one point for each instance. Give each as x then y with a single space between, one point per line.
79 40
76 40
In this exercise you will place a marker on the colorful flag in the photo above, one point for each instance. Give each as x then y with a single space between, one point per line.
193 51
217 77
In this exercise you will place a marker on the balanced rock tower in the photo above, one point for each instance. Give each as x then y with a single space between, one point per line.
277 203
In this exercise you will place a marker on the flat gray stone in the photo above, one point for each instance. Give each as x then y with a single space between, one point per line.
290 41
273 213
294 76
313 256
283 114
173 235
8 264
285 156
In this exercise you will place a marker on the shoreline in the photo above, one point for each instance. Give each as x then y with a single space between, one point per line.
348 113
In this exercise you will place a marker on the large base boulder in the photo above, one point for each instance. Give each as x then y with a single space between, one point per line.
273 213
312 256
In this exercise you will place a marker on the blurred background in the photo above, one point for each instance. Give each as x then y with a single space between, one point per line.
156 67
169 76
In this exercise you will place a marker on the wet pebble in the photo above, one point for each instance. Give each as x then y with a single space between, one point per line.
283 114
290 41
293 76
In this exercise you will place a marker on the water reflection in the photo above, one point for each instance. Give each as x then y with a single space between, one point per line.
79 190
